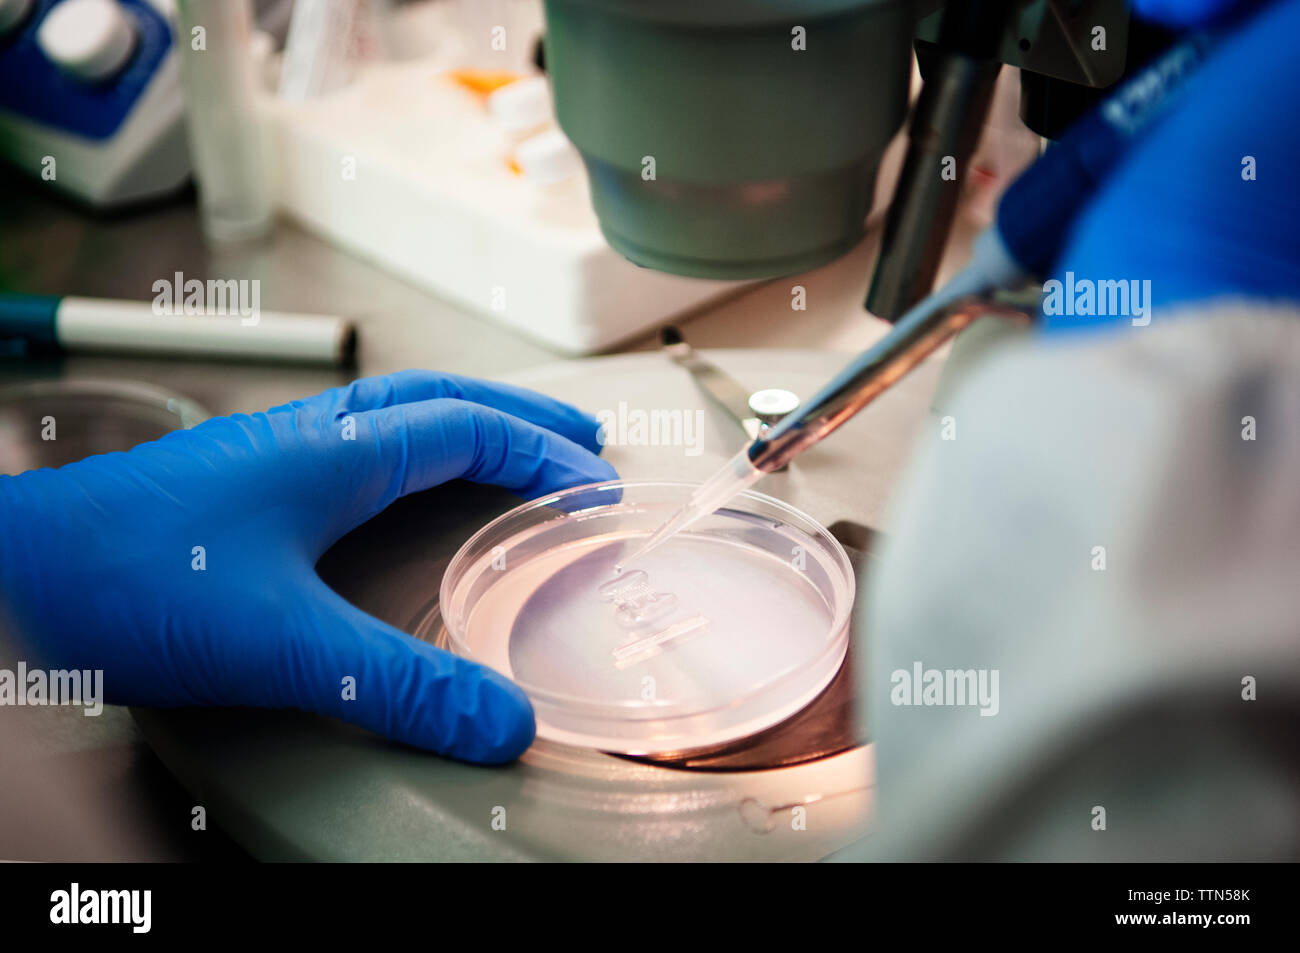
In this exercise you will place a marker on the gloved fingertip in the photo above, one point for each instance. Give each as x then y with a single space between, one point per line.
503 727
602 470
565 474
594 438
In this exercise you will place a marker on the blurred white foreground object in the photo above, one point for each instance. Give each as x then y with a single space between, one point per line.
1110 545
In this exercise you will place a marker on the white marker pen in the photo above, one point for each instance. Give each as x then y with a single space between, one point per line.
102 324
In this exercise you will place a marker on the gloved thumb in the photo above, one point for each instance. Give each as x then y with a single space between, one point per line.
342 662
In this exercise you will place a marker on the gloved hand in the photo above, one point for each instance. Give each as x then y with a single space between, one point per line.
99 564
1204 205
1187 13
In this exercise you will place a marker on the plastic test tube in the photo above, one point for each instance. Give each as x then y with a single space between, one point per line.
227 137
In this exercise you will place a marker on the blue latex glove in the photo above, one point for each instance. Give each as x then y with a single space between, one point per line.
97 557
1187 13
1177 211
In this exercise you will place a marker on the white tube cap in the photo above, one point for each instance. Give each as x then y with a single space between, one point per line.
88 39
521 105
547 158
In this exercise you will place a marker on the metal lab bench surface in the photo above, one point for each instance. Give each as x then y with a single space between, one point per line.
50 247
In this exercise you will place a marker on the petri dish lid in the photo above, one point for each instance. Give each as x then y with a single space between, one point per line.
92 416
722 631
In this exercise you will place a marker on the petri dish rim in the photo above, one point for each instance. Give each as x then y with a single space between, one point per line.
474 549
187 411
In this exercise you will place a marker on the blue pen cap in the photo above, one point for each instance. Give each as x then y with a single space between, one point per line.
30 318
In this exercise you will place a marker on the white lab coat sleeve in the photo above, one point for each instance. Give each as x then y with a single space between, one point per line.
1113 528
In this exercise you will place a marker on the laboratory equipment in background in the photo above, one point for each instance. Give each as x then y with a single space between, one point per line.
327 41
731 140
90 98
408 168
771 170
227 137
447 169
423 138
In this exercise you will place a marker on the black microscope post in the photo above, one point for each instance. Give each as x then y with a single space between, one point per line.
959 73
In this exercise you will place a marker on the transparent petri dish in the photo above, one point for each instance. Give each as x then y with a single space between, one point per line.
89 416
722 631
